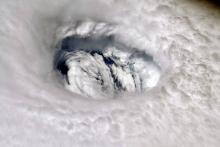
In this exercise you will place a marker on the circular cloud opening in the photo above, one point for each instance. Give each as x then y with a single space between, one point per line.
100 67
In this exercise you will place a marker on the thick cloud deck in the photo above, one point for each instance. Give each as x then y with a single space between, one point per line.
102 67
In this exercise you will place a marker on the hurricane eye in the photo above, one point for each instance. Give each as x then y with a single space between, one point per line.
103 67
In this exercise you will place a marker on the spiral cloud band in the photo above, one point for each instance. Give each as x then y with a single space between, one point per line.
109 73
